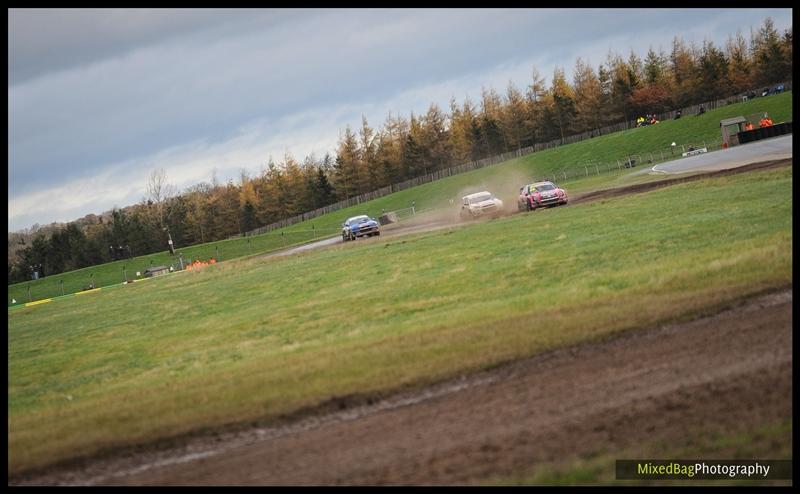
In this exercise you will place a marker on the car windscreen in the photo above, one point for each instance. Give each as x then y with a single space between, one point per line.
481 198
358 219
545 187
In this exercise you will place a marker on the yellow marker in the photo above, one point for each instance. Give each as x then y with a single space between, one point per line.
88 291
43 301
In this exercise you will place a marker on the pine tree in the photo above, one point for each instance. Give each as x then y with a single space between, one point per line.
346 168
713 80
562 103
769 55
739 64
588 97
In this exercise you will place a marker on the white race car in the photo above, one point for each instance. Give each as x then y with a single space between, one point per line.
480 204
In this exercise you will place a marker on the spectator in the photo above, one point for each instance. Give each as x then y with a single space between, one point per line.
677 114
701 111
748 126
765 122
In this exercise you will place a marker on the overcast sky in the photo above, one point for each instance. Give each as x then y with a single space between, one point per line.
97 99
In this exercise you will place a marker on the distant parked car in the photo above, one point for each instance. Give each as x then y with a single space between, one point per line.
540 195
360 226
480 204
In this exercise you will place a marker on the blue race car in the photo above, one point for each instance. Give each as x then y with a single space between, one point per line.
359 226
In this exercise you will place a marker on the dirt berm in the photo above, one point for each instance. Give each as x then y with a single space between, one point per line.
720 374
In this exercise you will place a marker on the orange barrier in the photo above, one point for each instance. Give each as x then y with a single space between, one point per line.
199 264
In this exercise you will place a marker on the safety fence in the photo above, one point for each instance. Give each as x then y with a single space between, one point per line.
474 165
265 240
625 163
89 280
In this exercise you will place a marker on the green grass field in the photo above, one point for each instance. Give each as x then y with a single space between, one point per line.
254 339
503 179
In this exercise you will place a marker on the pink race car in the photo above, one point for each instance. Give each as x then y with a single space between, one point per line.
540 195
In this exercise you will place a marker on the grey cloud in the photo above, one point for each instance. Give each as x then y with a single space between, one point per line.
122 90
46 40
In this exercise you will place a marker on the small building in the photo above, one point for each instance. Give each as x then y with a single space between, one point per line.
729 137
156 271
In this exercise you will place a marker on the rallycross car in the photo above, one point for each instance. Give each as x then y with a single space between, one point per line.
480 204
540 195
360 226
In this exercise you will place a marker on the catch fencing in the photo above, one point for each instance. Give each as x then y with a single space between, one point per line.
647 159
120 273
493 160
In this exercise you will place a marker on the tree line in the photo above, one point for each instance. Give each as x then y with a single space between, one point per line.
367 158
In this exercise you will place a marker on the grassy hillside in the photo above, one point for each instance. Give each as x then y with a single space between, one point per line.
504 179
257 338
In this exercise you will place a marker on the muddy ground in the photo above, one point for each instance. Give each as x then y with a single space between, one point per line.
440 219
720 374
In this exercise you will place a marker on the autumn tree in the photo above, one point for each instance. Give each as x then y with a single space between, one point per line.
512 118
346 168
434 139
412 154
534 118
460 135
247 203
588 97
739 64
684 73
561 103
371 175
770 55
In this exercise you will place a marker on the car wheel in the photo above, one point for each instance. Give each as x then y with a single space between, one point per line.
528 205
344 237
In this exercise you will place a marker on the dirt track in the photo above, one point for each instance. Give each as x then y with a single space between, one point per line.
441 219
724 373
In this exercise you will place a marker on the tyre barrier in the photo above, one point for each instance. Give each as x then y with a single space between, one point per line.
764 132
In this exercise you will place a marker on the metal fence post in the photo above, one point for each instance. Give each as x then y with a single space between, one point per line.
62 287
249 247
586 171
283 240
91 280
216 249
597 168
125 273
313 232
29 292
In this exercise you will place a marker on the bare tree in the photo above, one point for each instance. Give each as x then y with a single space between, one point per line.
158 192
